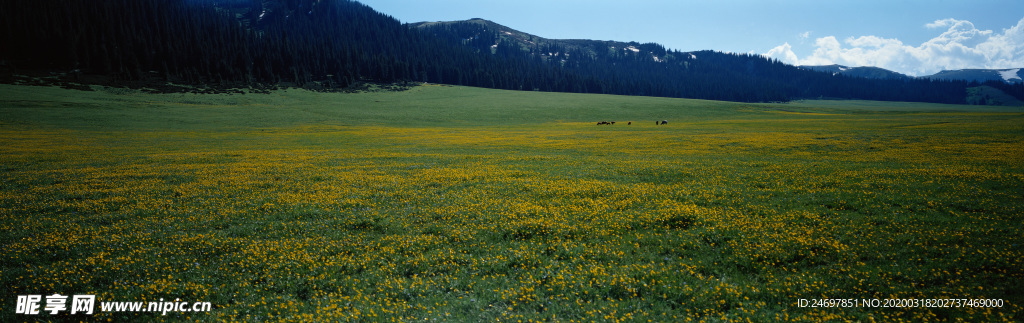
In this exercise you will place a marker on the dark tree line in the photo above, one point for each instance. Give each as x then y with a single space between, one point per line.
306 43
336 43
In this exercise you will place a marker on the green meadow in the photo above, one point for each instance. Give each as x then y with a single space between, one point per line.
464 204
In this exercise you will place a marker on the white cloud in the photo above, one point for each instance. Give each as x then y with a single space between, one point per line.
941 23
960 46
784 53
805 35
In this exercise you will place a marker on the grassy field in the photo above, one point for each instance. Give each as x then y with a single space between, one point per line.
464 204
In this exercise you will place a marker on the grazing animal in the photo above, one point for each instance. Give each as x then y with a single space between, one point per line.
604 122
613 122
664 121
629 123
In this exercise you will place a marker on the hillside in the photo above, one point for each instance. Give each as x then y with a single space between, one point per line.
1011 76
1014 75
321 45
529 42
331 45
988 95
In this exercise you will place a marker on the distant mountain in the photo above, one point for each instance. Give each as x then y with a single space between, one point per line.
996 87
1013 75
651 69
862 71
528 42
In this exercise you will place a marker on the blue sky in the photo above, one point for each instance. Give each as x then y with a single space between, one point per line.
913 37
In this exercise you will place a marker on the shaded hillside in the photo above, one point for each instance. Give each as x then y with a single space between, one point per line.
989 95
306 43
333 44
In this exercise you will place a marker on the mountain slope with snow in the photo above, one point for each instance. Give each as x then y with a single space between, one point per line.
862 71
1012 75
540 45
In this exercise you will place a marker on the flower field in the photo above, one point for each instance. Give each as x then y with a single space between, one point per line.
458 204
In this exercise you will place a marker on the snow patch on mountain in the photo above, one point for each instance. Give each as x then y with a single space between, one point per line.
1010 74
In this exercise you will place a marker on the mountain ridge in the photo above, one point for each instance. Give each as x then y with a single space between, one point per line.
1008 75
870 72
527 40
488 36
860 71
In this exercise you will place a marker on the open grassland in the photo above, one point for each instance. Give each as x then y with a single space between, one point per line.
463 204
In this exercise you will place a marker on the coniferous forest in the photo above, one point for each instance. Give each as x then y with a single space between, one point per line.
334 44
